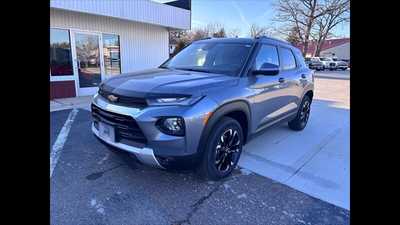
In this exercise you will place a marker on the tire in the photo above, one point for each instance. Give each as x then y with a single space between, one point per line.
301 119
219 162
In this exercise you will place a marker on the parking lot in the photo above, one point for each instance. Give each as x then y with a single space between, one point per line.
285 177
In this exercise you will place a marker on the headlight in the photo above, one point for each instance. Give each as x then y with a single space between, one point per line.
171 125
173 101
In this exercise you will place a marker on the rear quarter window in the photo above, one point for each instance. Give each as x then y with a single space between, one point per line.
300 58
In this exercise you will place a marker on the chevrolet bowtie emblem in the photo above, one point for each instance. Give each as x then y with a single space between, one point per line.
112 98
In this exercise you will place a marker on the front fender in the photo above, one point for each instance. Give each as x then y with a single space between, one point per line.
218 113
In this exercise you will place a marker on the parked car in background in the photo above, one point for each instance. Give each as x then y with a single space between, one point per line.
340 64
328 63
314 63
201 106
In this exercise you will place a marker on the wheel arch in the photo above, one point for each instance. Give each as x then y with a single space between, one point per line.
238 110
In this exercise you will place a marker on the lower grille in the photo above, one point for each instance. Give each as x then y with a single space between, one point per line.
125 126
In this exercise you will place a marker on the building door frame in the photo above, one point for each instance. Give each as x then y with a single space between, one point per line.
91 90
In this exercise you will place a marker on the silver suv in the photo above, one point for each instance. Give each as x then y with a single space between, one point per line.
200 107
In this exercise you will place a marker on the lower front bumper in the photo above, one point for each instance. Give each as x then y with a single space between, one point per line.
145 155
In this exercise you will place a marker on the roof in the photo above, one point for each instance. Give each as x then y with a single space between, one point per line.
139 11
231 40
326 45
245 40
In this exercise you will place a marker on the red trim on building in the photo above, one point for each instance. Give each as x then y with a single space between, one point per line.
312 45
62 89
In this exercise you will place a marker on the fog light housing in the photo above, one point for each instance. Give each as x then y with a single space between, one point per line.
171 125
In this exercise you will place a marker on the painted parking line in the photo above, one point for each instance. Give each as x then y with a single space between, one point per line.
60 141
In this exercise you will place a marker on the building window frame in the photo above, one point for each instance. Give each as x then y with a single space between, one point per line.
66 77
74 77
119 49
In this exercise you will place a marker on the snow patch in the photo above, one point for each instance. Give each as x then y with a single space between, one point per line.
104 159
98 206
242 196
227 186
245 171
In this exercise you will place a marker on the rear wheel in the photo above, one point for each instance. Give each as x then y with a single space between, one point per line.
301 119
223 149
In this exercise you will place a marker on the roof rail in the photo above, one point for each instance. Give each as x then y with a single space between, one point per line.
204 38
271 38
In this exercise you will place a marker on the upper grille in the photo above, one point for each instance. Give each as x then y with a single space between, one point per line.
125 126
125 100
332 64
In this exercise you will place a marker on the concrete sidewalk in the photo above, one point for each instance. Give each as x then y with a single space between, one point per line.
337 74
82 102
316 160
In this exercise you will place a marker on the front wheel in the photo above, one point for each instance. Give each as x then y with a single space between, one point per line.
301 119
223 149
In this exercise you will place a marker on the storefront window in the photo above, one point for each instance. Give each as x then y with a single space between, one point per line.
60 53
111 49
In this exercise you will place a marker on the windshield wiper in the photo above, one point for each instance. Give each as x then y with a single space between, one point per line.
194 69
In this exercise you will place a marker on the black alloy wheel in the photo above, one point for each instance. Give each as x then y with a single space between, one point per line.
301 119
227 150
223 149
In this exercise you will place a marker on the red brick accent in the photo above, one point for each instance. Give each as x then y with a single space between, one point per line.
62 89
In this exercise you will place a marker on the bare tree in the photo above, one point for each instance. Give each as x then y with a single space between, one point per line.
300 14
235 32
183 38
256 31
293 36
337 12
220 33
198 34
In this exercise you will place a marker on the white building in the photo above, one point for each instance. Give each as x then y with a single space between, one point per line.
92 40
340 51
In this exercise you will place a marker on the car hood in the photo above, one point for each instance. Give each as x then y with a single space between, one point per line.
165 82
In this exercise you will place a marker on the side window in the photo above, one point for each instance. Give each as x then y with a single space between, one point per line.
300 59
287 59
266 57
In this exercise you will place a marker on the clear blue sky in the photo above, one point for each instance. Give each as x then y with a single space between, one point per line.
240 14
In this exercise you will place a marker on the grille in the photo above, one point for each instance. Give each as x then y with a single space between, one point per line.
125 100
332 64
125 126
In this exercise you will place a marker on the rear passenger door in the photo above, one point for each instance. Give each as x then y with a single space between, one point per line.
291 73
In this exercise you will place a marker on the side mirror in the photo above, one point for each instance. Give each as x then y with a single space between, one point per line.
267 69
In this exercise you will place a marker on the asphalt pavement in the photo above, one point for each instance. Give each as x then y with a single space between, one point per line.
95 184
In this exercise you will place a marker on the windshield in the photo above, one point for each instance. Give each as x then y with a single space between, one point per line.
225 58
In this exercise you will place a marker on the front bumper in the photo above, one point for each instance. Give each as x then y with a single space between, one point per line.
160 149
145 155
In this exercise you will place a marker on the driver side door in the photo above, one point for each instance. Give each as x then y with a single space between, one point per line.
270 98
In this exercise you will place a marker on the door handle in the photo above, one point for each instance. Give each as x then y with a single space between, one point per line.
281 80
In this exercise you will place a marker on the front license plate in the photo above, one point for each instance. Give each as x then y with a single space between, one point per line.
106 132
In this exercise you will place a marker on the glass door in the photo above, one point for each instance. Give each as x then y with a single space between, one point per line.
89 62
